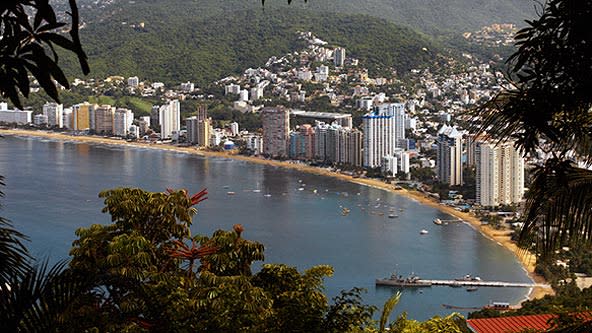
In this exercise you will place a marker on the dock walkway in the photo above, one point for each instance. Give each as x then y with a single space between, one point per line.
456 283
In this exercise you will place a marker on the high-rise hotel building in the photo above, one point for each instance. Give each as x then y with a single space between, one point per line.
276 131
81 116
169 117
122 121
103 123
449 159
54 113
349 146
384 130
500 173
302 143
198 130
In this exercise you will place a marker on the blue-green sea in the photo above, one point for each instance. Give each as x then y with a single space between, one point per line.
52 188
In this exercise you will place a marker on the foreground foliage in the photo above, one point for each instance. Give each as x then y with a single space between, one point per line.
152 274
547 112
29 36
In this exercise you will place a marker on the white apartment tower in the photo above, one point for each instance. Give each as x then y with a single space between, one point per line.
500 173
122 122
54 113
384 130
339 58
276 131
169 116
449 161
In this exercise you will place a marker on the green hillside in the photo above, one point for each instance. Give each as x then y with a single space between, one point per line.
435 17
430 16
178 45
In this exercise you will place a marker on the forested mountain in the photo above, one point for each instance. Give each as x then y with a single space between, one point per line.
436 17
429 16
174 46
205 40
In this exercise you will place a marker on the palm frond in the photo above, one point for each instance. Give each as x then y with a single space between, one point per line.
558 207
14 256
38 299
389 305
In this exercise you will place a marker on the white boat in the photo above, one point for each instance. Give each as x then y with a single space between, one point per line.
267 195
392 216
301 189
423 232
438 221
256 191
230 193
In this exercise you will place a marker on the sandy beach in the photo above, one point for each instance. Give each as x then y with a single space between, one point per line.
502 237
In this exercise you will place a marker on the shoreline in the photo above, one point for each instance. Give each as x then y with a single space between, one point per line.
501 237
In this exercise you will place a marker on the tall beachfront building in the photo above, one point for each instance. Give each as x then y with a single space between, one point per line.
276 131
198 131
449 160
325 141
81 115
192 129
384 130
349 146
122 121
54 113
103 123
500 173
302 143
337 144
169 117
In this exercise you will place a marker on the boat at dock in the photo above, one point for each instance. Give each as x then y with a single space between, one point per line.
230 193
399 281
392 216
468 277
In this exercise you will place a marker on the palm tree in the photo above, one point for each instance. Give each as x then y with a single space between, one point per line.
13 254
33 298
38 298
546 110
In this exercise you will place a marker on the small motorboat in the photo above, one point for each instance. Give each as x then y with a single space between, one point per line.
423 232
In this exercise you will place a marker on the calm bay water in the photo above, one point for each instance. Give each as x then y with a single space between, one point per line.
52 189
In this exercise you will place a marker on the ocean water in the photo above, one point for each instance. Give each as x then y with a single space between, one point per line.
52 188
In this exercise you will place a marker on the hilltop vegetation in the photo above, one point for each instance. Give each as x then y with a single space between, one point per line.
429 16
436 17
180 47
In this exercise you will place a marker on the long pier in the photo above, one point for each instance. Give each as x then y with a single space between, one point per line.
455 283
